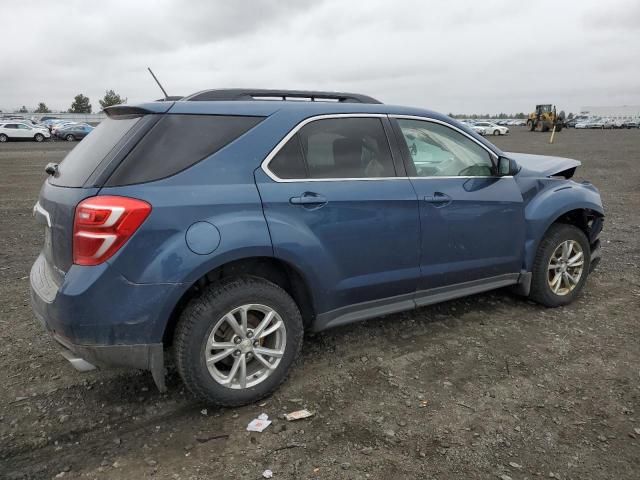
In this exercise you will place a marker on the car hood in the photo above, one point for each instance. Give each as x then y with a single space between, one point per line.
544 165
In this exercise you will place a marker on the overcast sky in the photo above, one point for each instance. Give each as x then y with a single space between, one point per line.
485 56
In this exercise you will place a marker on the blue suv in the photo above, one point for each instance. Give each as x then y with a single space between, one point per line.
220 227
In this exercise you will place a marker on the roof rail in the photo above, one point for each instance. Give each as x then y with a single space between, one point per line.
265 94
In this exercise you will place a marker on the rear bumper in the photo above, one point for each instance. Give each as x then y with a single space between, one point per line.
144 357
96 315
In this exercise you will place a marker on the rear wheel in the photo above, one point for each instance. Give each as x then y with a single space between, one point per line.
3 138
69 138
561 266
236 342
38 137
531 125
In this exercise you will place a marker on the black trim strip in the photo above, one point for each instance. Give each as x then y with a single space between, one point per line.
409 301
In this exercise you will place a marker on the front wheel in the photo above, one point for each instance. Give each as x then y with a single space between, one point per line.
3 138
561 266
496 132
38 137
70 138
236 342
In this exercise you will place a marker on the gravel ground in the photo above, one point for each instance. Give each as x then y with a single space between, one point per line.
491 386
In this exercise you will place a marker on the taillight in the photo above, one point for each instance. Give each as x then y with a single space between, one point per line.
103 224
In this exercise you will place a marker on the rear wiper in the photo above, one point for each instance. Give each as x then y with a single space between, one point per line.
51 169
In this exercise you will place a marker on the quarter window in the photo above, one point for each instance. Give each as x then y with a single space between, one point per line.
289 163
440 151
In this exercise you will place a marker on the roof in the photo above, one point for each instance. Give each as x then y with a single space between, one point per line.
290 111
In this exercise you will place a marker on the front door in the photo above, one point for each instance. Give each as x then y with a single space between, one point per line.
336 209
472 220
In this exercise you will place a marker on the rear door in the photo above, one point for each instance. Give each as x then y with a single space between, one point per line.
472 220
337 209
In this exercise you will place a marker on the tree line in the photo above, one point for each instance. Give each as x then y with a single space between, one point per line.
80 104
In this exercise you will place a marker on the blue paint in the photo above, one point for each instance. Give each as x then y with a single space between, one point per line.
371 240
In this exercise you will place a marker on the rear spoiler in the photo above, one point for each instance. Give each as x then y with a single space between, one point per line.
128 111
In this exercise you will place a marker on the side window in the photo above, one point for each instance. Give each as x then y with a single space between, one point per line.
440 151
11 125
288 162
177 142
346 148
22 126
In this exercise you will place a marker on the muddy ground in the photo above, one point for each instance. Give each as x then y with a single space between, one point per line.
491 386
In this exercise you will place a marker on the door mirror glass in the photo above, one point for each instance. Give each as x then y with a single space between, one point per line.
507 166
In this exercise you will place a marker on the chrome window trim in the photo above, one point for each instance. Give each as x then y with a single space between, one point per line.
492 154
275 150
265 163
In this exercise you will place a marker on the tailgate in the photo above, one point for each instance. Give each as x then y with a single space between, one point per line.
54 211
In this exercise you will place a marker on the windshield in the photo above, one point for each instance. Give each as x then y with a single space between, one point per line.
81 162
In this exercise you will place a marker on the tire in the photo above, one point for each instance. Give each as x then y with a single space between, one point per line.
541 290
207 312
496 132
531 125
69 138
559 128
38 137
3 138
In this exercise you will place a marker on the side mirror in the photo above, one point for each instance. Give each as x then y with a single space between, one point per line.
507 167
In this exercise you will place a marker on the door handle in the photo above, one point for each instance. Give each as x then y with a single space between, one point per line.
438 199
310 199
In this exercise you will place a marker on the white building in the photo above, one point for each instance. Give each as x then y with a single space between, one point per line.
624 112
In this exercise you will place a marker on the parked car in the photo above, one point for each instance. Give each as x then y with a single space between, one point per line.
474 126
73 132
492 128
58 125
12 130
630 124
220 231
608 123
50 121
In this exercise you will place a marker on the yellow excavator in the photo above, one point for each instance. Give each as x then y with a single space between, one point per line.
544 119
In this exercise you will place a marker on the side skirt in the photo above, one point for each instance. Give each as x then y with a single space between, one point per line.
386 306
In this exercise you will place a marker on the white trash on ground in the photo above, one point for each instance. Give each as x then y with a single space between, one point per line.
259 424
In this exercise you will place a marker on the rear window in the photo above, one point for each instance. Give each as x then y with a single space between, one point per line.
177 142
81 162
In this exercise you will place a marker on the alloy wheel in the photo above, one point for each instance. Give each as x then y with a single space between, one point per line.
566 266
245 346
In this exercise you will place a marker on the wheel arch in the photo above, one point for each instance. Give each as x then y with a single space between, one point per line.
273 269
585 217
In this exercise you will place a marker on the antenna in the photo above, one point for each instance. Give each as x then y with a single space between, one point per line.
166 97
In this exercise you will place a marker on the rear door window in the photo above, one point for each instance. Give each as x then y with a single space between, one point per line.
177 142
81 162
346 148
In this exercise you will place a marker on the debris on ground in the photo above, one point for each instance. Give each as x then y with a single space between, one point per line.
267 474
298 415
259 424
